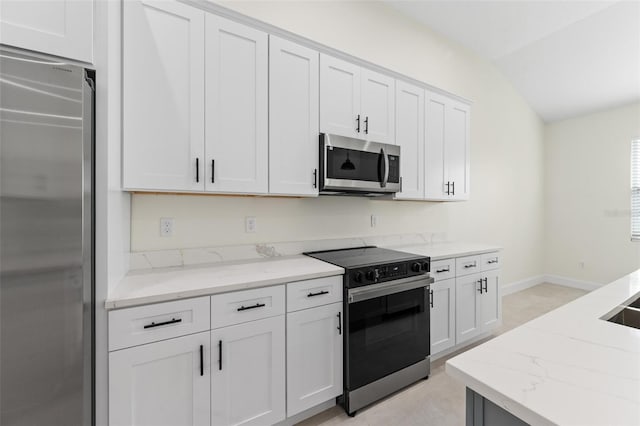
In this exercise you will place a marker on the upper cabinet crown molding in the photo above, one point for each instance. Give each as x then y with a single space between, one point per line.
62 28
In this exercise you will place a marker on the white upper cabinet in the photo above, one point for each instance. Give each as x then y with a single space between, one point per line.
377 106
236 107
163 96
340 97
410 136
456 152
293 118
62 27
446 148
356 102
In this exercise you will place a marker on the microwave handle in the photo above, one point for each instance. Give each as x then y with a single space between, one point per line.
385 173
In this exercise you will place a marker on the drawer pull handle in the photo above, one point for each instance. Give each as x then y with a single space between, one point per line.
320 293
257 305
201 360
438 271
493 261
470 265
158 324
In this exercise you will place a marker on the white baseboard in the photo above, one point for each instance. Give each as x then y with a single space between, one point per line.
571 282
517 286
522 284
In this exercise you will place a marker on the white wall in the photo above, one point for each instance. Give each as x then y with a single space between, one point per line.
587 191
506 205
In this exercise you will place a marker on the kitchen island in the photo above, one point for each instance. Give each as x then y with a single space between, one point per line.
568 367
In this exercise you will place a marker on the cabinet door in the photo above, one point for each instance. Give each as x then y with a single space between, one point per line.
163 96
468 307
161 384
62 28
491 309
410 137
378 106
340 98
293 118
248 373
443 307
456 151
314 357
435 113
236 104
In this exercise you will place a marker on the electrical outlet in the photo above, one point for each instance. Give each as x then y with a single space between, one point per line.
374 220
166 226
250 224
581 264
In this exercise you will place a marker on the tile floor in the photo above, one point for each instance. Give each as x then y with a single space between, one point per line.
440 400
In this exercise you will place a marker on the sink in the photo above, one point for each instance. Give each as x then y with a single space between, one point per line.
628 313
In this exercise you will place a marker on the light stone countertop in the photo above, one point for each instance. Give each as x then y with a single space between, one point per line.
440 251
568 367
162 285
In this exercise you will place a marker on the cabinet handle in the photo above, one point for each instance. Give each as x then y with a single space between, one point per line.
492 261
485 286
245 308
358 125
220 355
366 125
320 293
315 178
438 271
201 360
197 170
339 322
448 191
480 289
470 265
213 171
453 188
431 298
158 324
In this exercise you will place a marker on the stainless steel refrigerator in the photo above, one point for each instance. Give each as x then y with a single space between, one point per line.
46 242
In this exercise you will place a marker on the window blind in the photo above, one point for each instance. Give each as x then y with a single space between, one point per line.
635 190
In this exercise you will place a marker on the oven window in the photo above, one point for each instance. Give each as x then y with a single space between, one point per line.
386 334
352 164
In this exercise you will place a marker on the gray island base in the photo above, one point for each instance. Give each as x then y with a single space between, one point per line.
482 412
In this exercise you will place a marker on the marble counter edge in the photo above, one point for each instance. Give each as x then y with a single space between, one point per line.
128 302
450 252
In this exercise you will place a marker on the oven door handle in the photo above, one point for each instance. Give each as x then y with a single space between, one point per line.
384 289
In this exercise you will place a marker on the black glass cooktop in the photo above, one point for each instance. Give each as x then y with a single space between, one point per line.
363 256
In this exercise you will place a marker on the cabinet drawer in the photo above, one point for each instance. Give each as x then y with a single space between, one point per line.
248 305
151 323
443 269
468 265
310 293
491 261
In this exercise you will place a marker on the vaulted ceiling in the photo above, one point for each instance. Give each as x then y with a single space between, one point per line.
566 57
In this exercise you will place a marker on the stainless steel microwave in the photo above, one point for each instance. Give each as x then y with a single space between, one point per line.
356 167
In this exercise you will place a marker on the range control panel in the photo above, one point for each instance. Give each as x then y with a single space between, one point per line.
358 277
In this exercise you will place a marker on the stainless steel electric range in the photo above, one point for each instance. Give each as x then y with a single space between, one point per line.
386 309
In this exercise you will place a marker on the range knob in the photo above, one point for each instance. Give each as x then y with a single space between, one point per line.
371 275
425 266
415 267
358 277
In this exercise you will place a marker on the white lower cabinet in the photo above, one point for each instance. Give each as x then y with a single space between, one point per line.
248 373
491 310
443 308
314 356
166 383
467 307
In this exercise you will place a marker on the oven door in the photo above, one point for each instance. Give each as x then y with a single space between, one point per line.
353 165
388 329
